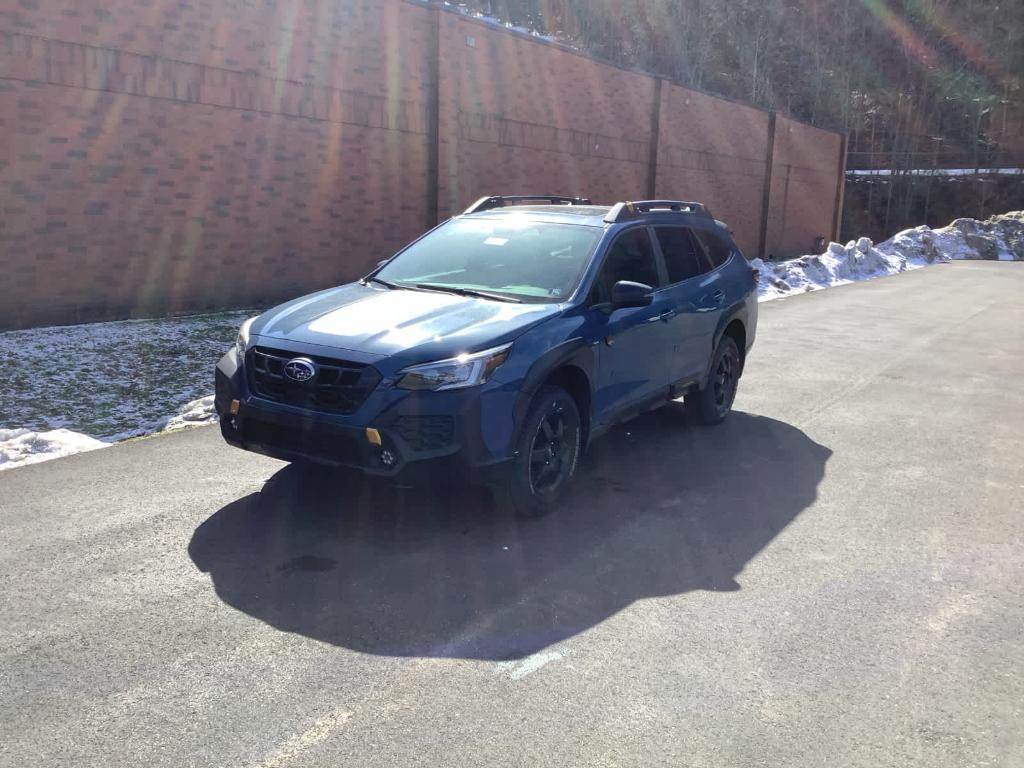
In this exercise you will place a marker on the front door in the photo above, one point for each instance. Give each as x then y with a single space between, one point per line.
632 353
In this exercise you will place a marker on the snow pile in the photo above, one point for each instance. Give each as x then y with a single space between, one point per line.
857 260
463 9
938 172
23 446
196 412
1000 237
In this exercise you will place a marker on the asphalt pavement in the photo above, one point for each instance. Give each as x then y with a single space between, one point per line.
835 576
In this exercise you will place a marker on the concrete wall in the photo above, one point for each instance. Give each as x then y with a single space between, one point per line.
714 151
162 156
1007 128
807 174
517 115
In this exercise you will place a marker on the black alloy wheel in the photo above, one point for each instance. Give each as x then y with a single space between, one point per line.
725 379
713 403
547 451
550 453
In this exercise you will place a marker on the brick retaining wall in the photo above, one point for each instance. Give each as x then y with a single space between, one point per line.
163 156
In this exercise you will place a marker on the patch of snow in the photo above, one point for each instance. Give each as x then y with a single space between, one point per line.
19 447
107 381
998 238
198 411
937 172
494 21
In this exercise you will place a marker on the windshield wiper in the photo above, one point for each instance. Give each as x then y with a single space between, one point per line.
467 292
385 283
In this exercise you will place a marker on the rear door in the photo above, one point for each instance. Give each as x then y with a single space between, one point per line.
696 298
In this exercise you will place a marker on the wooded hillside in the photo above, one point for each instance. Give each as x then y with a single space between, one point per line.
916 83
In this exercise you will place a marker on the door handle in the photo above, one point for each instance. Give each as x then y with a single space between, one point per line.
663 317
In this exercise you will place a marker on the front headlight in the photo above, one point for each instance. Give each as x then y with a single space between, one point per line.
242 341
455 373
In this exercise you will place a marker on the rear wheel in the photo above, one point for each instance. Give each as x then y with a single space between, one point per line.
713 403
547 451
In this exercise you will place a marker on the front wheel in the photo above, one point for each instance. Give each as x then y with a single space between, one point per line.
547 451
713 403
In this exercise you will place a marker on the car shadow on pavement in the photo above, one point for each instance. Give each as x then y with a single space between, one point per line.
659 508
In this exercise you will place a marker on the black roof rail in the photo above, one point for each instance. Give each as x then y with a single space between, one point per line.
500 201
633 210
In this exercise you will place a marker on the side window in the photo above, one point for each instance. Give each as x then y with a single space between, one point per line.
715 247
631 257
684 257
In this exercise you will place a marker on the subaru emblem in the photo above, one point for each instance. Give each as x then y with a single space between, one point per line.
300 369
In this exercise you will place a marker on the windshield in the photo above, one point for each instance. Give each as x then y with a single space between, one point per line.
528 260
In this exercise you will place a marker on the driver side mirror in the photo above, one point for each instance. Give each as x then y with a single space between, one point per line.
626 293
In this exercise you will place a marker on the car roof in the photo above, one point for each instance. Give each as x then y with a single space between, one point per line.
588 215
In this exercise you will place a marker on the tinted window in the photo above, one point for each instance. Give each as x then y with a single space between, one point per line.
717 249
683 256
631 257
531 260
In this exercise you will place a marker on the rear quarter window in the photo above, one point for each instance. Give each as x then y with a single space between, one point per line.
684 257
716 247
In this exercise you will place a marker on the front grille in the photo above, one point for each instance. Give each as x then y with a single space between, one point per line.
426 433
340 386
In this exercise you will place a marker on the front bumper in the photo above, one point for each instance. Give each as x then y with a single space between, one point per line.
416 429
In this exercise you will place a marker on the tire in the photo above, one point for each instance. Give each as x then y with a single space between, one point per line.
546 454
713 403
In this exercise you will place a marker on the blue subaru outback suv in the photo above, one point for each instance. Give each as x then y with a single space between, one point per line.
505 340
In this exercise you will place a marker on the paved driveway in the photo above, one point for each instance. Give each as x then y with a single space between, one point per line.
833 577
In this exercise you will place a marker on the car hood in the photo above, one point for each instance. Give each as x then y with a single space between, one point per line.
415 326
